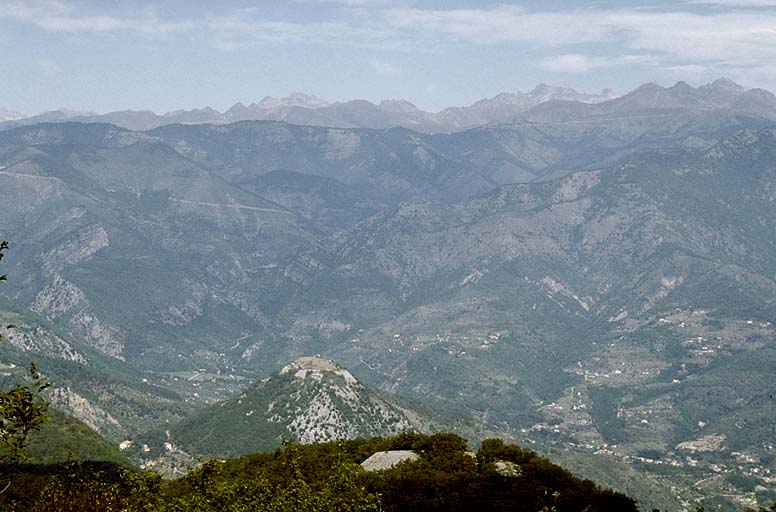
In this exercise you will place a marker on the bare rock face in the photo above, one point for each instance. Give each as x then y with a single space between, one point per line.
74 404
326 402
310 400
62 300
314 364
36 339
379 461
508 469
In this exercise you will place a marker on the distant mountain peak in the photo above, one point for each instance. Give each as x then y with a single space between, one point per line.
544 92
295 99
718 94
10 115
240 111
725 83
755 101
74 113
203 110
398 106
65 113
652 95
542 88
681 84
649 86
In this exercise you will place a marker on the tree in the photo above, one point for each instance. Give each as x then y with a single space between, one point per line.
763 509
22 408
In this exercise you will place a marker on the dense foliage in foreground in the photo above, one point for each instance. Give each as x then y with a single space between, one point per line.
322 477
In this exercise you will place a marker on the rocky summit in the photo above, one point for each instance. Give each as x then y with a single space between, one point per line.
310 400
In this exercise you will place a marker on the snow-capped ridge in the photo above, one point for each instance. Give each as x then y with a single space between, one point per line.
295 99
10 115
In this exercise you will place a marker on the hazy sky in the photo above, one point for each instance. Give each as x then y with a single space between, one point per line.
108 55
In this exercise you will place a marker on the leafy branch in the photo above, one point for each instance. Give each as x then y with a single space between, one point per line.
22 408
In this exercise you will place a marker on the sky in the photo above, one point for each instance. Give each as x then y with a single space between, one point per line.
112 55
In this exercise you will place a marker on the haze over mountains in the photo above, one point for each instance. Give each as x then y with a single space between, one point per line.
299 108
594 275
544 103
10 115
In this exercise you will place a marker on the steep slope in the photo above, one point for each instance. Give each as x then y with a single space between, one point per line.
384 166
594 249
325 202
106 395
65 438
131 208
393 165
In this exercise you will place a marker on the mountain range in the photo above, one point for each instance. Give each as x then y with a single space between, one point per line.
593 277
299 108
542 104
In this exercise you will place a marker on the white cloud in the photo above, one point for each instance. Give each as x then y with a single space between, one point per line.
724 37
671 37
569 63
688 35
500 24
693 69
235 31
55 16
579 63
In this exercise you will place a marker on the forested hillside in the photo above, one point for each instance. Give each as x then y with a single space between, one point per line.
326 477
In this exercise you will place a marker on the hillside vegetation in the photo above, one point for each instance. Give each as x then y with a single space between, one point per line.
326 477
